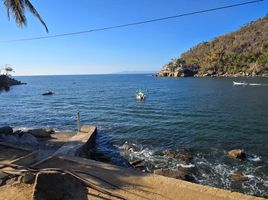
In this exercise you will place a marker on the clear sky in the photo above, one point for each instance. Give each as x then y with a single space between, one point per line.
140 48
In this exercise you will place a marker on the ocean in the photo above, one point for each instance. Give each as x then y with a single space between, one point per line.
206 116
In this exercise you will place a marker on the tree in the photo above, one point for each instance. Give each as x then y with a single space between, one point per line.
8 69
17 9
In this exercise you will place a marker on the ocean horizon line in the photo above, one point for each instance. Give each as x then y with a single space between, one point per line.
94 74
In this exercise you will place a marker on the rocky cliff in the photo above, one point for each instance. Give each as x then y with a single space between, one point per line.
240 53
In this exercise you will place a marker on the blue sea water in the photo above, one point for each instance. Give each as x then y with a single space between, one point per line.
208 116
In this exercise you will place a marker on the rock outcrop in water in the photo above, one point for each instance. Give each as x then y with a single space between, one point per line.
180 154
238 176
237 153
240 53
180 173
7 81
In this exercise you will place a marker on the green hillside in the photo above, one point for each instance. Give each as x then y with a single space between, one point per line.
243 52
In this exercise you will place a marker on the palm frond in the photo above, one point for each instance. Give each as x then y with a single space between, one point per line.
35 13
17 9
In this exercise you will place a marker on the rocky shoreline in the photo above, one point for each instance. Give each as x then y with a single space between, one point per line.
185 171
47 140
33 138
239 53
6 82
173 69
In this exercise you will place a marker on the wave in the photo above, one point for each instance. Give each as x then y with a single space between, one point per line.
213 170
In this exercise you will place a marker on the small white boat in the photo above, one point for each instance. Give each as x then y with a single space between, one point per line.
140 95
239 83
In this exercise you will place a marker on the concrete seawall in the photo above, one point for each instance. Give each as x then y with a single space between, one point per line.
133 184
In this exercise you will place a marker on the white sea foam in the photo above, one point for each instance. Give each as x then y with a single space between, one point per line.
254 158
250 176
186 166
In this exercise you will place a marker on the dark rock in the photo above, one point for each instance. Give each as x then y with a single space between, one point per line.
136 162
180 173
158 153
39 133
49 130
48 93
237 153
239 177
7 81
6 130
181 154
28 178
99 156
187 73
18 133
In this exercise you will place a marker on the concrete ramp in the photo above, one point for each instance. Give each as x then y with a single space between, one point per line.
132 184
80 144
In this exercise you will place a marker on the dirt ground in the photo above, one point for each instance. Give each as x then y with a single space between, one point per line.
17 191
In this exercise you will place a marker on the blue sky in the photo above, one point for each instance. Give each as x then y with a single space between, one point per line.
140 48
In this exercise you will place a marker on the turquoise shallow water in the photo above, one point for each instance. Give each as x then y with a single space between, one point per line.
209 116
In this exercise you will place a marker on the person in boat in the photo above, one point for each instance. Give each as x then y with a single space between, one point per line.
140 94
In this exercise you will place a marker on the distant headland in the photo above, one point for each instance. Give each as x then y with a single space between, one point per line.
240 53
7 81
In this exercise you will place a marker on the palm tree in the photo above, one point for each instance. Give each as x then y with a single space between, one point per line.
8 70
17 9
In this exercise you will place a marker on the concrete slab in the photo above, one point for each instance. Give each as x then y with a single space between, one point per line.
16 155
133 184
80 143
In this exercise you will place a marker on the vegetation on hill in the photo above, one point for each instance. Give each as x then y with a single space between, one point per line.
243 52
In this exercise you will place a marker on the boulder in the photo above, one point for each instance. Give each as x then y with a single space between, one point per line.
18 133
237 153
180 173
6 130
182 154
28 178
211 72
49 130
40 133
136 162
238 176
